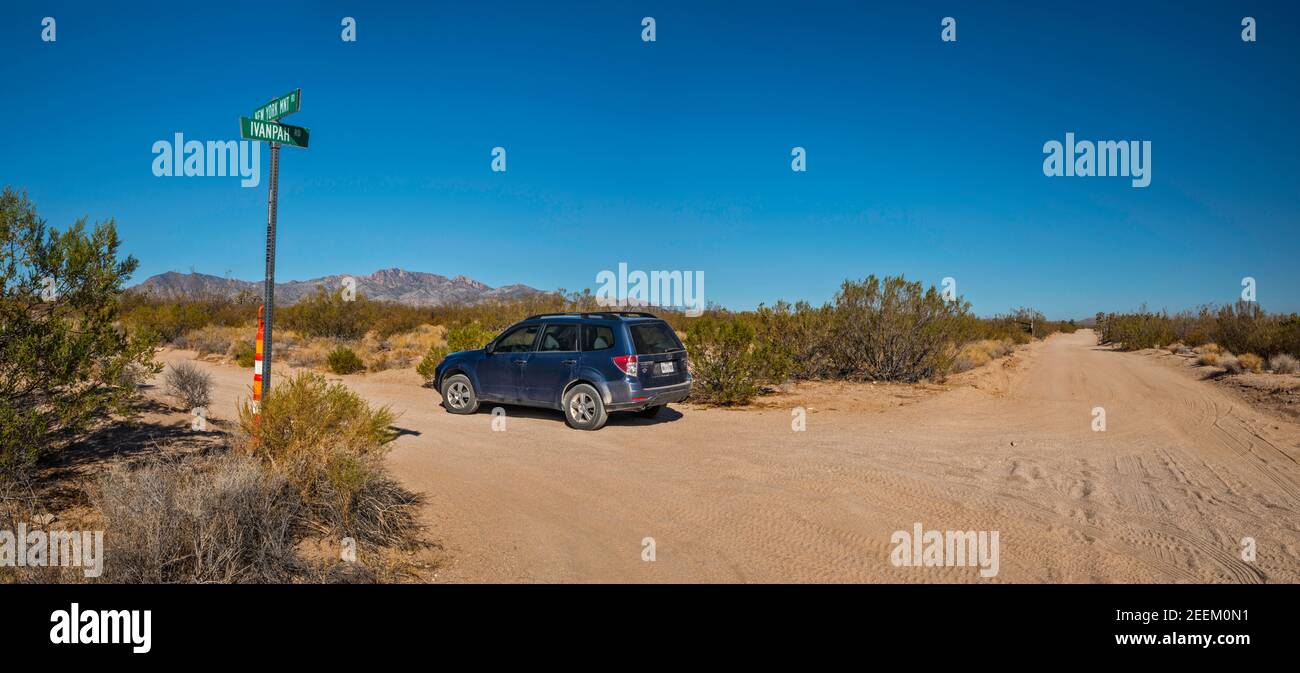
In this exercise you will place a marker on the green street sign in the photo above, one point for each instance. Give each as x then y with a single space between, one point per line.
253 129
279 107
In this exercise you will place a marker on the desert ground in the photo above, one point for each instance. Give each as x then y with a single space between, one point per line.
1184 470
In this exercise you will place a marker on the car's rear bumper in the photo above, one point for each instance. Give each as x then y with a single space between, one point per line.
625 396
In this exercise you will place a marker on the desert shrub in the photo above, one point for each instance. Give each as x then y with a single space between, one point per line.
722 361
1243 327
213 519
1208 358
63 358
1251 362
244 353
893 330
1194 329
1230 363
171 318
188 384
794 340
468 336
1136 331
1283 364
326 314
343 360
329 443
329 315
206 340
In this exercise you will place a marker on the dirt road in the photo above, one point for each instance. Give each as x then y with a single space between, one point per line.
1166 493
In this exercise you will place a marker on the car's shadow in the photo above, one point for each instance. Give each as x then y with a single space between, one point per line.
666 415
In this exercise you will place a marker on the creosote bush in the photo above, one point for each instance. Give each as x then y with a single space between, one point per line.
243 352
330 445
464 337
343 360
722 360
65 362
1243 327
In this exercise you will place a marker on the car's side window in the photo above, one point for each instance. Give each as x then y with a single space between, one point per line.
518 341
559 338
597 337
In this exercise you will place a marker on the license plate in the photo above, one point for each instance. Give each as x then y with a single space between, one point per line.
667 367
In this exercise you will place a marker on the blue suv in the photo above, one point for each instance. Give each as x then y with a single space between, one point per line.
584 364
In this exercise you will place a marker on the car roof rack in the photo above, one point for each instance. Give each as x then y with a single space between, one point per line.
594 314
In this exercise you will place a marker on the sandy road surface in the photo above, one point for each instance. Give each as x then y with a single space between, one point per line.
1182 473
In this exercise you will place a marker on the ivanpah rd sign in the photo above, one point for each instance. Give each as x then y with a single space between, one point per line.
253 129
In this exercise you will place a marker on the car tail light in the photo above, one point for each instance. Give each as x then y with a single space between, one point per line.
627 363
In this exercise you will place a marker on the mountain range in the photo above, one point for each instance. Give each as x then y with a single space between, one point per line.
414 288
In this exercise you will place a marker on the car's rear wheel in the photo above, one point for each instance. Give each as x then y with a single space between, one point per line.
583 408
650 412
458 395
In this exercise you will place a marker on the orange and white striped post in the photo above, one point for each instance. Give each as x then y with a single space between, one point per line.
257 364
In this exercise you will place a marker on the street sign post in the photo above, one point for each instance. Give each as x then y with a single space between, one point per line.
263 126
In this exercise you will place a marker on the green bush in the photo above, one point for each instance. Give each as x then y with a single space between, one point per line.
343 360
1243 327
327 314
330 445
894 330
244 353
64 361
460 338
723 361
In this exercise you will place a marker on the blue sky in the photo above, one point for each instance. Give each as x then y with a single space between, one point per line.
924 157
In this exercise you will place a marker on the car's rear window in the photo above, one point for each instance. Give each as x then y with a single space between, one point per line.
597 337
654 337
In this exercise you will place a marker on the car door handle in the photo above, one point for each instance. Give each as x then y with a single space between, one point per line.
568 362
520 362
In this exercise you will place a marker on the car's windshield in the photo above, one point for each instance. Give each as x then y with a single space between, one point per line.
654 337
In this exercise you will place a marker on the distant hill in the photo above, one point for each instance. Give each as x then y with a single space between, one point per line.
414 288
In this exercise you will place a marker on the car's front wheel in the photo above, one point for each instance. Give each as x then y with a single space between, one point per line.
458 395
583 408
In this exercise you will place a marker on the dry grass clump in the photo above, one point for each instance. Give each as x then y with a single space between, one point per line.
1283 364
188 385
1208 354
212 519
1251 362
1230 363
980 353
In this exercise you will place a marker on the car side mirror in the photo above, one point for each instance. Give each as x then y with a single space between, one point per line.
490 348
